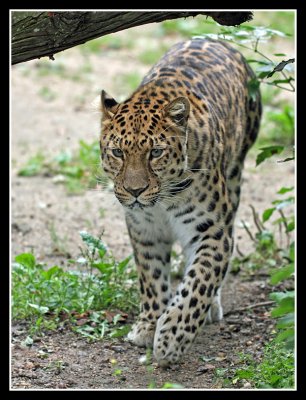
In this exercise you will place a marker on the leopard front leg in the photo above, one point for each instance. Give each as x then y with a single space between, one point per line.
179 325
152 256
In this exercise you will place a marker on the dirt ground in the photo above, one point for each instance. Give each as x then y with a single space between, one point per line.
64 360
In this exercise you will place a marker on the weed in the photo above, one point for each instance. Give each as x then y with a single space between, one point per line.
128 82
77 171
151 56
269 251
34 166
278 20
109 42
47 94
58 243
50 297
188 27
276 370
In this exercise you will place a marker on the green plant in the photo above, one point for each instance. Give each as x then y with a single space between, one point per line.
151 56
272 72
189 26
34 166
275 370
58 243
250 37
284 312
78 171
129 81
47 94
94 297
109 42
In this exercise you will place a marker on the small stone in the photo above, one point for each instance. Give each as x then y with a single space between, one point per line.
118 349
21 227
249 343
247 385
205 368
220 358
201 370
142 359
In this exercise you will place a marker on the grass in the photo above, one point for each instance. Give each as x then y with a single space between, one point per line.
92 294
273 245
58 243
151 55
128 82
275 255
77 171
106 43
277 125
275 370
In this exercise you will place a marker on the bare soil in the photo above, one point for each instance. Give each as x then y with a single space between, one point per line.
39 206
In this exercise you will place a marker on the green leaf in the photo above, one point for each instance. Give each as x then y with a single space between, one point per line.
282 274
285 190
279 55
26 259
169 385
120 332
28 341
267 214
261 62
33 167
244 374
286 321
279 296
104 268
122 265
285 335
253 86
50 272
285 306
92 242
290 226
278 81
283 203
267 152
292 251
281 66
40 309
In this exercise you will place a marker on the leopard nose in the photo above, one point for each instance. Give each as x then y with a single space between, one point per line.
136 192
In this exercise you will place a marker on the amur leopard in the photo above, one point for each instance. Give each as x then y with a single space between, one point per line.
175 151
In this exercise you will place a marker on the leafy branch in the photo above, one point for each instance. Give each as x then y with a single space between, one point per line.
254 35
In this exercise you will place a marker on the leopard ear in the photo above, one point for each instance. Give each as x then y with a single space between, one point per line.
108 105
178 110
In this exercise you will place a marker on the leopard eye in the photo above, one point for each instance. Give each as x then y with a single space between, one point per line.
155 153
117 153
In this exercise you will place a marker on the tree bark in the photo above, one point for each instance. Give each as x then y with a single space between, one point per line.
39 34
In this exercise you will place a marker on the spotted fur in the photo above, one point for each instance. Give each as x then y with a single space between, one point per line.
175 151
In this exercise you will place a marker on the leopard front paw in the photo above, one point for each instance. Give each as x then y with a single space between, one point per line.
142 333
171 341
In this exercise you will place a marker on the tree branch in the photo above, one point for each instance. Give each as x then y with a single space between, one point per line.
39 34
257 305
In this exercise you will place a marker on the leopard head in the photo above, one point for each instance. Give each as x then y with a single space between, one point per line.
144 147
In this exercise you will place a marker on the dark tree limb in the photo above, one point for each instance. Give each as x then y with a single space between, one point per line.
39 34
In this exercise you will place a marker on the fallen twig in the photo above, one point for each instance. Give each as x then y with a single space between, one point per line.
257 305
